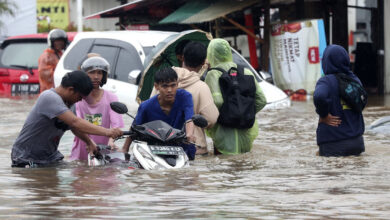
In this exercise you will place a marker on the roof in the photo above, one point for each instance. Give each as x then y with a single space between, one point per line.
188 11
202 11
36 36
40 36
138 7
116 11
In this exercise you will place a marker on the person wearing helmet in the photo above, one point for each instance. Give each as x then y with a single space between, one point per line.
95 108
47 62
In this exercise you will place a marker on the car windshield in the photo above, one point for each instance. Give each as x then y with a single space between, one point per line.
23 54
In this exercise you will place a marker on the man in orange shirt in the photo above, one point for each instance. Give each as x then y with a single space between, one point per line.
47 62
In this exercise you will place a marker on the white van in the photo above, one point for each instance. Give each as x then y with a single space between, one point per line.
126 52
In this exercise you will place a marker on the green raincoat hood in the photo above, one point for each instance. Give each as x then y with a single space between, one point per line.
218 52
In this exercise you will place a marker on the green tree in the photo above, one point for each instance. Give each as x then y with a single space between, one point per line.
7 8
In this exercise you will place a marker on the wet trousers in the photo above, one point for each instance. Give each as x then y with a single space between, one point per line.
348 147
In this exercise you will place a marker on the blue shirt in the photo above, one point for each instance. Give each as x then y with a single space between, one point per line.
181 111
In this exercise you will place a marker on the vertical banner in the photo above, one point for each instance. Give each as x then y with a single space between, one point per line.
53 13
296 51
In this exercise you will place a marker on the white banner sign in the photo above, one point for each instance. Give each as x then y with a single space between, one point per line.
296 49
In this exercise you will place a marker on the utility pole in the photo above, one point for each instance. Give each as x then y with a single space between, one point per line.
79 15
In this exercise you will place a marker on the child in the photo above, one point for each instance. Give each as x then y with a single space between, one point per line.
95 108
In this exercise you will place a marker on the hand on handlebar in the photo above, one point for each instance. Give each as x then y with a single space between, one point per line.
191 138
112 144
92 148
115 132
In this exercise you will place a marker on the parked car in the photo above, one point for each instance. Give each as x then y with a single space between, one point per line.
127 52
19 63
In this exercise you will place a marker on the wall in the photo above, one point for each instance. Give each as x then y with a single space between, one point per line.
92 7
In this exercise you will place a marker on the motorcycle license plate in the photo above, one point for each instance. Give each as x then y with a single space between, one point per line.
166 150
31 88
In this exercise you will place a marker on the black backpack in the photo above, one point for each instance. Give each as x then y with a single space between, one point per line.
352 92
238 91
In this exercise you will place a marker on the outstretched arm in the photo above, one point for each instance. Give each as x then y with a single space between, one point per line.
84 126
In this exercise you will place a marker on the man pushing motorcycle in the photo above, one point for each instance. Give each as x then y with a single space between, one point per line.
37 143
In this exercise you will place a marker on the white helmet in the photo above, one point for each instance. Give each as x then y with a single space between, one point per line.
56 34
97 63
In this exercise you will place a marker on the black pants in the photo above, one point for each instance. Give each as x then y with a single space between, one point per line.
23 164
348 147
31 164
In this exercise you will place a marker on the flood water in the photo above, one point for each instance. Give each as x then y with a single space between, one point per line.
282 178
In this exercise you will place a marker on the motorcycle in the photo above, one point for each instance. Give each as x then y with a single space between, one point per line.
155 145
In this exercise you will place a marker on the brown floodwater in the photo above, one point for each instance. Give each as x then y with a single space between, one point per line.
282 178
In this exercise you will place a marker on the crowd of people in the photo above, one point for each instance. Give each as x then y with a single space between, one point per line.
81 105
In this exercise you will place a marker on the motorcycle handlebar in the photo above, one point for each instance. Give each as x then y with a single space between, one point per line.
127 133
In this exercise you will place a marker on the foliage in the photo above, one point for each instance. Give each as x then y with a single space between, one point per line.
7 8
70 28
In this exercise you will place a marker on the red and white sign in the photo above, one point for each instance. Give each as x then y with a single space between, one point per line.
313 55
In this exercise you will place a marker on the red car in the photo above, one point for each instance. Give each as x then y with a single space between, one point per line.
19 63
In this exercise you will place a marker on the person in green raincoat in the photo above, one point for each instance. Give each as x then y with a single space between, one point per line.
229 140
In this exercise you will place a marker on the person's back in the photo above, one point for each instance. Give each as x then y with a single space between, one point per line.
203 103
340 129
228 140
194 56
47 62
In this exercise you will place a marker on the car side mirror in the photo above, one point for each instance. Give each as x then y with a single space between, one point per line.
118 107
266 76
133 75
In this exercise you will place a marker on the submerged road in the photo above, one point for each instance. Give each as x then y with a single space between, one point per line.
282 178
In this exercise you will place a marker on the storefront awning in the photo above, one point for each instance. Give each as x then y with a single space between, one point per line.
203 11
116 11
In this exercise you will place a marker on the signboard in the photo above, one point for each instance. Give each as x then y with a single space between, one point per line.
53 13
138 27
296 51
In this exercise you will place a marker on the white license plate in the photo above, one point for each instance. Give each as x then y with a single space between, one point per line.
25 88
166 150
